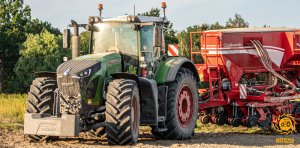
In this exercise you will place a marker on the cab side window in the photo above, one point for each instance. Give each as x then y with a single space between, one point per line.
147 49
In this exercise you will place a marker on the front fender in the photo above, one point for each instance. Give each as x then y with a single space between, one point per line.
167 70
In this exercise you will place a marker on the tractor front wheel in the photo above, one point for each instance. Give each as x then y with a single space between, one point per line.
182 107
40 100
122 112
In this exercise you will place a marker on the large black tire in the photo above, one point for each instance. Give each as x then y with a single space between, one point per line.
180 120
40 100
122 112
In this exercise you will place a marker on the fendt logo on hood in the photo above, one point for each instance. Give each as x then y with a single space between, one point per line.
67 71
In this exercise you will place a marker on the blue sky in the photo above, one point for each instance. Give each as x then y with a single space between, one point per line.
183 13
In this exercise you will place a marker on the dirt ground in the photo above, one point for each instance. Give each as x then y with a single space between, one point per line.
15 138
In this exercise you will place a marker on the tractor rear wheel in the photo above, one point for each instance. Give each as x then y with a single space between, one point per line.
122 112
40 100
182 107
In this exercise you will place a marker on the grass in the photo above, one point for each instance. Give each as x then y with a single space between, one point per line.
213 128
12 108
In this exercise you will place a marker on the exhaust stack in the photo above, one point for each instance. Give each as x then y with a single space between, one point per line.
75 39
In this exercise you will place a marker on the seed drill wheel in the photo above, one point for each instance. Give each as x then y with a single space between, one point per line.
182 107
122 112
40 100
205 119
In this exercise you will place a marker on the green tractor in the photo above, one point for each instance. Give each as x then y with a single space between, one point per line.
126 81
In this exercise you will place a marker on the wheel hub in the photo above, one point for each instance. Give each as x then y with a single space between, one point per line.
185 106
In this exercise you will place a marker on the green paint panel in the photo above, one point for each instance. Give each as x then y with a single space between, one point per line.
110 63
163 70
165 67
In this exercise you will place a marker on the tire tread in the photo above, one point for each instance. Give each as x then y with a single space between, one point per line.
118 112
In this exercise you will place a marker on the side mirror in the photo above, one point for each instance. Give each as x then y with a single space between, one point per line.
66 38
158 37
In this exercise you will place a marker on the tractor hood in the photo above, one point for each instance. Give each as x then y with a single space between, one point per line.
84 63
83 77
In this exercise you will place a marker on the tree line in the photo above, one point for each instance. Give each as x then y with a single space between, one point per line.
29 45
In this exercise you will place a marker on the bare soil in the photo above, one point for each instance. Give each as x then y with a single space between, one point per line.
15 138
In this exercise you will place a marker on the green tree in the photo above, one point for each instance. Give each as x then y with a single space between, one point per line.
41 52
184 39
14 17
236 22
169 32
184 36
152 12
15 24
84 42
216 26
36 26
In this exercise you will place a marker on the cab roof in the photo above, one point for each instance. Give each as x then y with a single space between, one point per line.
137 19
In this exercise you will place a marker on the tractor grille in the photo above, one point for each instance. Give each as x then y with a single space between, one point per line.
68 81
75 66
69 86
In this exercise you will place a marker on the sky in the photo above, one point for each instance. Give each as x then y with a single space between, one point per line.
182 13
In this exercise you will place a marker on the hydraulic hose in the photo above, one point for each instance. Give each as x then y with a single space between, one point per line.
267 63
263 60
277 74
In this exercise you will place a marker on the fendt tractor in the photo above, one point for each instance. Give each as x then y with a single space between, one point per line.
126 81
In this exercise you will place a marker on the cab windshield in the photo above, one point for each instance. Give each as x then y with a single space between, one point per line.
115 37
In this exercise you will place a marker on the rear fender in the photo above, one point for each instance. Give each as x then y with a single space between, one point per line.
167 70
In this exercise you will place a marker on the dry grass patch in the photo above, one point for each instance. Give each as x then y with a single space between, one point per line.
12 108
213 128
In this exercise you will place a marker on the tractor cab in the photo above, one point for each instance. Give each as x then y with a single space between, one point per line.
138 39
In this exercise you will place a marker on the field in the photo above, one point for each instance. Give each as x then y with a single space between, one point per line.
12 109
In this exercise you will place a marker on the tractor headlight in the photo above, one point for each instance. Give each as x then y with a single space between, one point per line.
85 73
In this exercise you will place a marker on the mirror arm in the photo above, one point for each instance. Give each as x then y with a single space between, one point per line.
76 27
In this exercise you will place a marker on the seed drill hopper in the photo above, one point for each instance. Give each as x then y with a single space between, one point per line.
252 75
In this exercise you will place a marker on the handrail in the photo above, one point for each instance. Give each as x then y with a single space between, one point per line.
191 44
